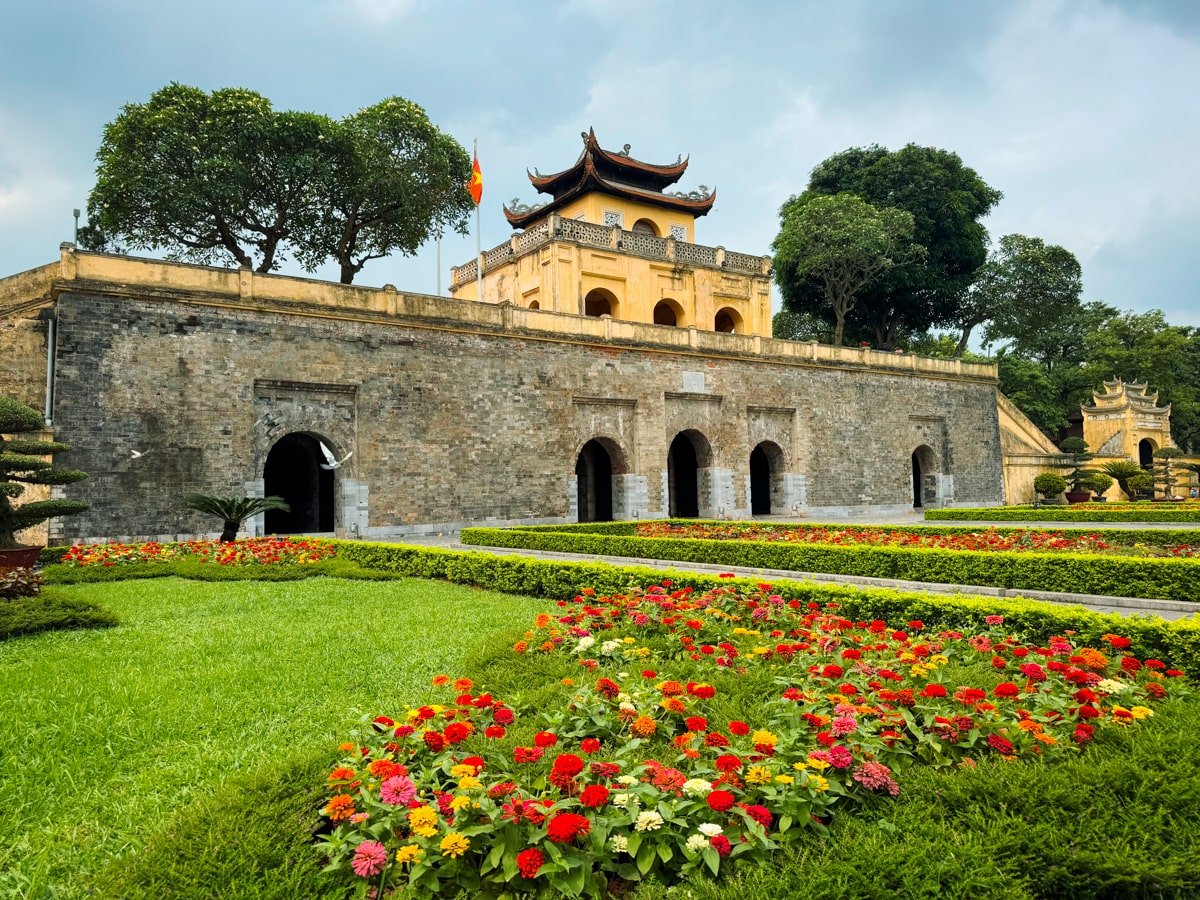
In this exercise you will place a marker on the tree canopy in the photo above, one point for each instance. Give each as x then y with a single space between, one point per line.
946 200
214 176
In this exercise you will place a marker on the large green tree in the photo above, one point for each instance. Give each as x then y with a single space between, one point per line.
222 175
947 201
839 244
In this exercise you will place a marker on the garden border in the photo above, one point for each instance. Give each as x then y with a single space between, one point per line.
1059 514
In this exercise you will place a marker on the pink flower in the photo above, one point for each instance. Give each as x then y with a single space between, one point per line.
397 790
993 620
844 725
840 757
876 777
369 859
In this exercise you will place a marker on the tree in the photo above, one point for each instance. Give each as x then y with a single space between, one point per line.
394 182
839 244
1076 449
800 326
946 199
1165 469
233 511
21 464
1025 287
1124 471
204 175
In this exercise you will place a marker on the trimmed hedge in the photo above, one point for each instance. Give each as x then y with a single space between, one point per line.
50 612
208 571
1176 643
1123 537
1163 579
1148 513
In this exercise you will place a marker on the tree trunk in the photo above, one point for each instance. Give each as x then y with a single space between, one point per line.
229 535
962 341
839 328
348 272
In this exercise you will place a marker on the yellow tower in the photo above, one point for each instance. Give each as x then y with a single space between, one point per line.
612 241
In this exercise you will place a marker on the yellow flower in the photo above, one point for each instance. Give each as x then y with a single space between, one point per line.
764 737
468 783
938 660
817 783
642 652
784 779
799 766
906 656
761 651
409 853
630 640
819 764
454 845
423 821
758 775
459 802
461 771
1141 712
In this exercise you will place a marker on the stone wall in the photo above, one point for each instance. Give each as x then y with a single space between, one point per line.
458 420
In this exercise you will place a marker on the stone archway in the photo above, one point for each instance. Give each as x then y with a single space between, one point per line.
690 453
767 487
293 471
600 302
728 320
1146 448
924 476
594 483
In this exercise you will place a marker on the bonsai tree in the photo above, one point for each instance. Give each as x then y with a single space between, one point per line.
1139 484
1076 449
233 511
1121 471
1098 484
1049 484
1165 469
21 464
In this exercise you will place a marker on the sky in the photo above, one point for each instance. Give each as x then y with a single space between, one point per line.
1085 114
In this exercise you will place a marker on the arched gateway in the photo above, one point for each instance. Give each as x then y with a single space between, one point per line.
293 472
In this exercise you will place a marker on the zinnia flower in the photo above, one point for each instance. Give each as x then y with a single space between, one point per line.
564 827
643 726
340 808
409 853
369 859
648 820
454 845
720 801
398 790
529 861
594 796
721 844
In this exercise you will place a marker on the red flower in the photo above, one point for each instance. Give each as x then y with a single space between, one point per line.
720 801
434 741
703 691
567 764
696 723
594 796
495 732
502 715
1001 745
590 745
527 754
715 739
1083 733
475 761
545 739
565 827
606 687
741 729
1131 664
1116 642
933 690
759 814
727 762
605 769
529 861
502 789
457 732
721 844
1005 689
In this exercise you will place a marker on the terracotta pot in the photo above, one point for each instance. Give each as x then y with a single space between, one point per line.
1078 496
20 558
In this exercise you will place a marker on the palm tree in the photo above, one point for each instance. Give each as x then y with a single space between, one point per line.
1121 471
233 510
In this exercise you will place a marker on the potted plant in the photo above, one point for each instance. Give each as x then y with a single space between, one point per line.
233 511
1076 450
1050 485
1121 471
1140 486
1099 485
21 464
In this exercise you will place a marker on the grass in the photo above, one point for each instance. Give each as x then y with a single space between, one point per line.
50 611
108 737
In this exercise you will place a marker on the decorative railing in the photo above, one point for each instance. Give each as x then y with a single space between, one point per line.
696 254
533 237
497 255
743 262
585 232
644 244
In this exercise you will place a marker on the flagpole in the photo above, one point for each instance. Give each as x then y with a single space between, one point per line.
478 240
439 264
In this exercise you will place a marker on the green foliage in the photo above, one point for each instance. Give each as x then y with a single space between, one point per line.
1121 470
1165 470
800 326
947 201
1076 573
1077 449
1098 483
212 176
196 570
1141 484
839 244
19 468
50 611
1049 484
233 511
1137 512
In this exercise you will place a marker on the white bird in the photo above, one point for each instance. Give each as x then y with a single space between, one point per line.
332 462
137 454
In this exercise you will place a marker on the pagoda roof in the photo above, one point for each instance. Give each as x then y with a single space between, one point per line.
614 173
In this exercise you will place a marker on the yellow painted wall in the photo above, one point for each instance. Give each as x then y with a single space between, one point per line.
592 208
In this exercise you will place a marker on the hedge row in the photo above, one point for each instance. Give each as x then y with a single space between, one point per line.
1121 537
1155 513
1177 643
1163 579
207 571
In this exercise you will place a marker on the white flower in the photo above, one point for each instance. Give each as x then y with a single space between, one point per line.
648 821
627 780
585 643
626 801
1109 686
697 787
608 648
619 843
697 842
710 829
627 706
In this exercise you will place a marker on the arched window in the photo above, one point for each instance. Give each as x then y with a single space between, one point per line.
728 320
645 226
667 312
533 304
600 302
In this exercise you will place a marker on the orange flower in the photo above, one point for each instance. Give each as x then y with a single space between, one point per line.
644 726
342 773
340 808
1030 725
1092 659
520 647
1046 739
547 647
440 680
542 620
675 705
671 688
463 685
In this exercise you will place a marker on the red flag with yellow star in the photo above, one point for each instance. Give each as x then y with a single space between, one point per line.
475 185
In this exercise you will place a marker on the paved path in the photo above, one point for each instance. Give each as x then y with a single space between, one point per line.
1167 609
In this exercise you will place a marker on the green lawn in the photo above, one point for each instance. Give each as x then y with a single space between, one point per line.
105 735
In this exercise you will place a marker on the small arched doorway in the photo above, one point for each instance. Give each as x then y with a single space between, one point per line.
689 452
594 483
645 226
728 321
924 463
533 304
293 471
600 302
667 312
1146 450
766 466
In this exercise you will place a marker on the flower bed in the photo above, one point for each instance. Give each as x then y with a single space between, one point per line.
696 729
1010 540
255 551
1084 512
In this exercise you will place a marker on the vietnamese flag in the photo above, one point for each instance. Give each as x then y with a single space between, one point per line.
475 185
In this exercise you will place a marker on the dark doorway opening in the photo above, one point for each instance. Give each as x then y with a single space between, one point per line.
1146 453
916 480
593 480
683 482
760 482
293 472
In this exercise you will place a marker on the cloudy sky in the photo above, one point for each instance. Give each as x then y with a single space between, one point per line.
1085 114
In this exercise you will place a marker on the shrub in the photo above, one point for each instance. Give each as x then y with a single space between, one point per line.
1049 484
50 612
1125 512
16 583
1098 483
